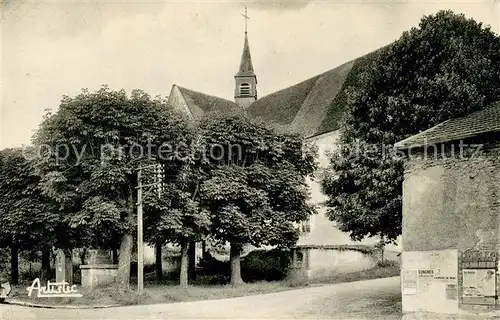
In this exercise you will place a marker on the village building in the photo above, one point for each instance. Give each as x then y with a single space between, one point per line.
315 108
451 219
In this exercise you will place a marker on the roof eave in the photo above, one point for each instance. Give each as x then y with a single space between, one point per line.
405 146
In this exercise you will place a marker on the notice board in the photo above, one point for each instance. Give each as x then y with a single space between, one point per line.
479 268
429 280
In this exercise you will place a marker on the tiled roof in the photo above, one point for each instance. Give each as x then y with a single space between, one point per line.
316 105
477 123
200 103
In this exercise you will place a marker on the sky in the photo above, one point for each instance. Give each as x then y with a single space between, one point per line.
55 48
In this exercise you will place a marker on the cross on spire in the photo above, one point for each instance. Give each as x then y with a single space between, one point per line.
246 19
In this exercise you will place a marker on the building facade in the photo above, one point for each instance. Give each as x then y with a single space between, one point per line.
451 219
315 108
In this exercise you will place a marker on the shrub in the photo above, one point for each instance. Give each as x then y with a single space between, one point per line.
386 263
269 265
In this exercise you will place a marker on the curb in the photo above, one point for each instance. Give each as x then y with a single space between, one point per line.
46 306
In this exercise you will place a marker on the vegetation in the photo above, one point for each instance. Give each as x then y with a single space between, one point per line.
444 68
92 148
256 187
228 178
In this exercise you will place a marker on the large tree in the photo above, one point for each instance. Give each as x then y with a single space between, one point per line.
88 155
28 220
256 185
446 67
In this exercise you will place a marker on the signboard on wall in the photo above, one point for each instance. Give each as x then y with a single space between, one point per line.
409 281
429 280
479 277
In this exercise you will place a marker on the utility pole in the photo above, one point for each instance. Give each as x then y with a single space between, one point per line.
140 237
140 240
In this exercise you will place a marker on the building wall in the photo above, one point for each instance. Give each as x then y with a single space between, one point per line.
322 230
452 202
328 262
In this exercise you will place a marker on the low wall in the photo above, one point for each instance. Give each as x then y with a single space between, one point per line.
98 275
328 262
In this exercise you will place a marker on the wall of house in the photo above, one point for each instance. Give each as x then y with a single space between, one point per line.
451 202
176 100
322 230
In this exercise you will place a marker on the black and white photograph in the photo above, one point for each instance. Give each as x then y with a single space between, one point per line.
226 159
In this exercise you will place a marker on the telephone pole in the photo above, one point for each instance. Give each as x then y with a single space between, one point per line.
140 237
140 240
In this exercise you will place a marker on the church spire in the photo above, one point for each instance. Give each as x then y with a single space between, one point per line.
245 80
246 66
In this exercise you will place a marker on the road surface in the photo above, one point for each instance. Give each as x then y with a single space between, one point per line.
372 299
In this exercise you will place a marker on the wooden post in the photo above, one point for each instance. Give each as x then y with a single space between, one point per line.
140 243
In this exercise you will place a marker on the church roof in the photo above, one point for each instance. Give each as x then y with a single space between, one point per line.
475 124
246 66
199 103
314 106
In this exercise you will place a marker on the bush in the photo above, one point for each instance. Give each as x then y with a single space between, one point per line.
268 265
261 265
212 270
386 263
148 268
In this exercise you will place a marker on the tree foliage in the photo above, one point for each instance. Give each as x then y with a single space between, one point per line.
256 185
446 67
88 153
28 219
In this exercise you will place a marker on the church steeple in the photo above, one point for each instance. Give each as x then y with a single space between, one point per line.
245 80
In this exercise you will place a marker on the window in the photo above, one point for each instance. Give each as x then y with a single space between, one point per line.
305 226
244 89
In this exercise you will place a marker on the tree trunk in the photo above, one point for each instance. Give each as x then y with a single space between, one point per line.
115 255
382 248
159 260
183 281
126 245
14 264
68 273
45 271
235 254
192 260
82 256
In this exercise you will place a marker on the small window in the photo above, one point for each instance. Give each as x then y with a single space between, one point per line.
244 89
305 226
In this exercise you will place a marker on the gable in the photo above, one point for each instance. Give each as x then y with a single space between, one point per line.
197 103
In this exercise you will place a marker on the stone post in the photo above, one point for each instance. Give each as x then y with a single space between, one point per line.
60 266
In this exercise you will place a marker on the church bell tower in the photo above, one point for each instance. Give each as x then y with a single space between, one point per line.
245 80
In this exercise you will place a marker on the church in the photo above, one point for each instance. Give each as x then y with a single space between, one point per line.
314 107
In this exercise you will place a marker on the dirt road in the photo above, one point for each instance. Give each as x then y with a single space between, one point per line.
372 299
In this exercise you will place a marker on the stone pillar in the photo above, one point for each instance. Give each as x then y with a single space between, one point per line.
298 272
60 266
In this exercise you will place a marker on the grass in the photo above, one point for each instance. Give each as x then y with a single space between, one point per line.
153 293
168 292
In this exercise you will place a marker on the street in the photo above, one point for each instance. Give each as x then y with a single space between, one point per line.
371 299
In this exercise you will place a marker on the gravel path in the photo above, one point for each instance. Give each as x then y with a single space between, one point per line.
372 299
